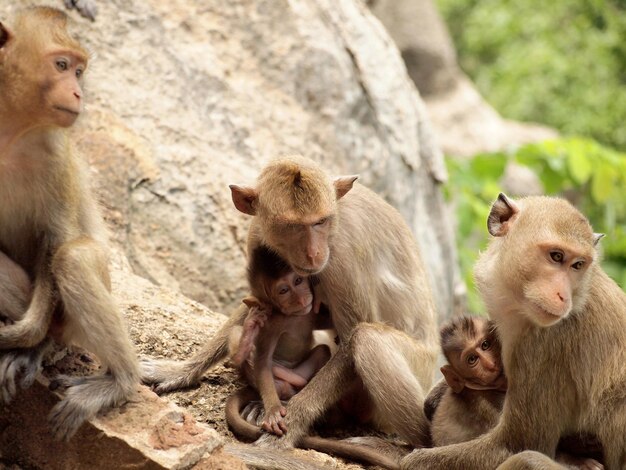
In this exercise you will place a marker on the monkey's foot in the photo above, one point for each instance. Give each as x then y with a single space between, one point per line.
165 375
271 441
20 365
254 412
84 398
86 8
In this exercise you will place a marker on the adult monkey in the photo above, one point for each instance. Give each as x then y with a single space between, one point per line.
562 324
50 229
371 278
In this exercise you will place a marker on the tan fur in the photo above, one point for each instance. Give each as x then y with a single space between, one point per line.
371 278
49 224
566 374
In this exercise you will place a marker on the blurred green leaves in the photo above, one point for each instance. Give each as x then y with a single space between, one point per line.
561 63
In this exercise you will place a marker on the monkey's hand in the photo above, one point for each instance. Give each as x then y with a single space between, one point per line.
166 375
20 366
273 421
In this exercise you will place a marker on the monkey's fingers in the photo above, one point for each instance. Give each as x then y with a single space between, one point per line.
253 413
9 366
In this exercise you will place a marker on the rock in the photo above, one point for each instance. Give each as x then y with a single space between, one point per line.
463 121
184 98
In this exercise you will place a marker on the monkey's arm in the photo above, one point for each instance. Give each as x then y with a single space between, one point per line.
168 375
251 326
434 398
274 411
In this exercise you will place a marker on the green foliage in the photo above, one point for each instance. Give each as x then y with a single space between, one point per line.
561 63
593 177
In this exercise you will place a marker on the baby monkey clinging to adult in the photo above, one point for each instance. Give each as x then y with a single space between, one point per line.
468 402
275 349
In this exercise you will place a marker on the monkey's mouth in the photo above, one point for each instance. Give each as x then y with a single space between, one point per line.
67 110
547 317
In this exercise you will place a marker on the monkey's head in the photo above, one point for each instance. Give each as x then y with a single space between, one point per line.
472 349
41 70
537 264
296 204
271 279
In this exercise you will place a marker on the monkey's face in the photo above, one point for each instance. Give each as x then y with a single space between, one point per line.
479 363
303 244
292 294
559 271
61 78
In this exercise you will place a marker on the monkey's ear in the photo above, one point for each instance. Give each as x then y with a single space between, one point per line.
244 198
597 237
5 35
453 379
251 301
343 184
502 211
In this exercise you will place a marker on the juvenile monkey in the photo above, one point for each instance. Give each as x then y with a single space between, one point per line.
50 229
370 274
280 325
562 325
474 382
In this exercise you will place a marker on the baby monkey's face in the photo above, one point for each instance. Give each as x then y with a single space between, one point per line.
292 294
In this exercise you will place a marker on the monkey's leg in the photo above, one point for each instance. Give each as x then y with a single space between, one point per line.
168 375
530 460
15 289
396 371
94 321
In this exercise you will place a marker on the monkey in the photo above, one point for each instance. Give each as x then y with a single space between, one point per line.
15 289
280 324
373 281
562 326
476 385
51 232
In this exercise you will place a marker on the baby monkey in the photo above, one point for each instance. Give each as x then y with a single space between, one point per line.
275 347
468 402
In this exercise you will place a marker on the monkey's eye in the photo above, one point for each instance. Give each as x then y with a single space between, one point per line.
297 281
79 73
322 221
556 256
471 360
283 290
485 345
62 65
578 265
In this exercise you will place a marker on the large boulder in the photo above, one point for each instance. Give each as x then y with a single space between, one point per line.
185 98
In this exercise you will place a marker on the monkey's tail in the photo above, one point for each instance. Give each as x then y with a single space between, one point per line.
241 428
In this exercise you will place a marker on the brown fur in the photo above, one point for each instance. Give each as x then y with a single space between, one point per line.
470 405
566 369
50 227
372 279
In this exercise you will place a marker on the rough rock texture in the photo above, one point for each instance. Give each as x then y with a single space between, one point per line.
463 121
185 98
